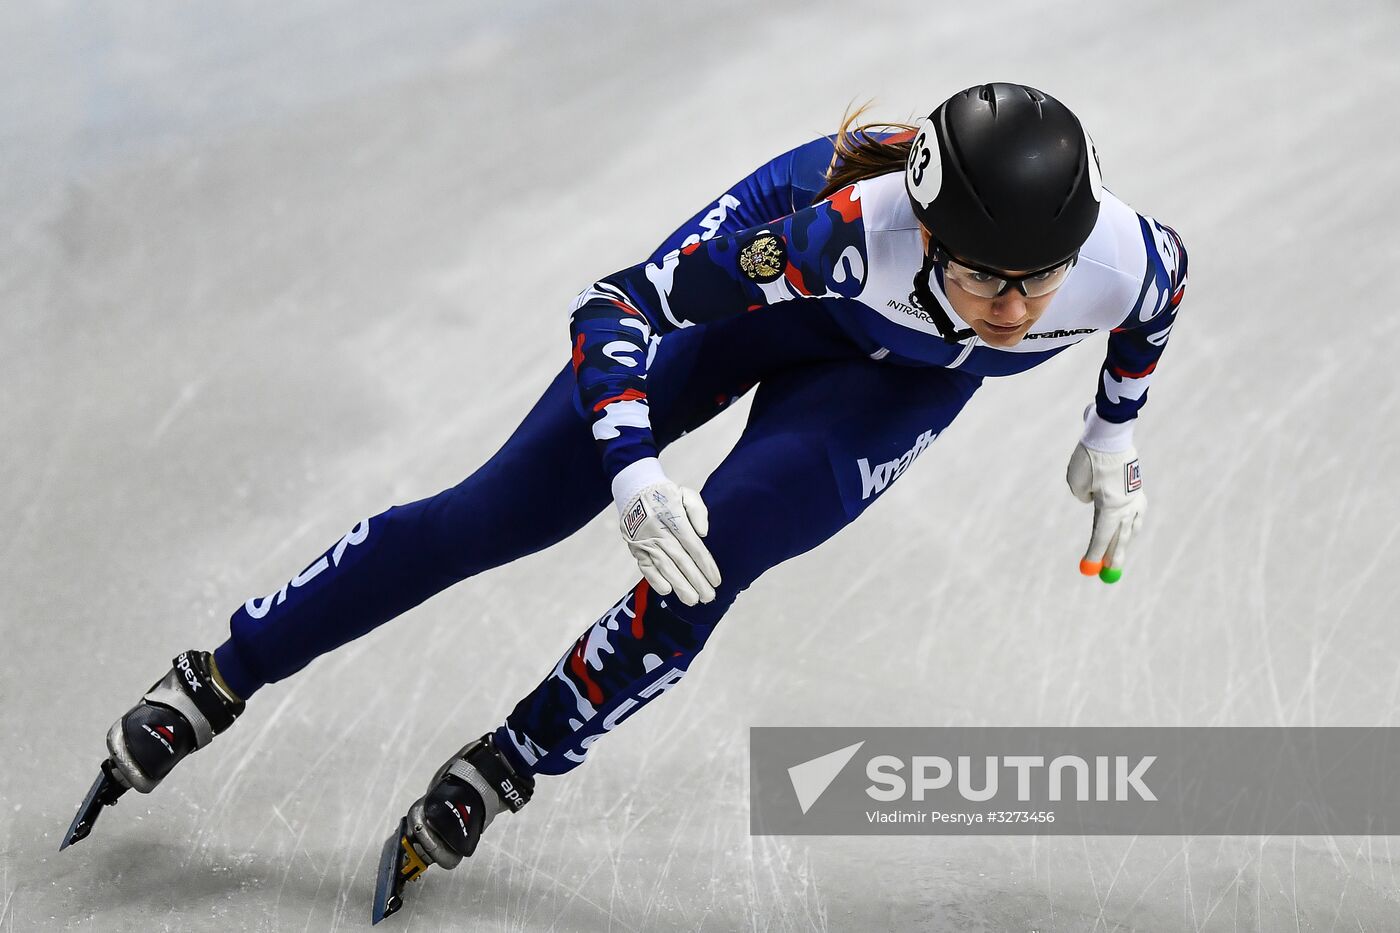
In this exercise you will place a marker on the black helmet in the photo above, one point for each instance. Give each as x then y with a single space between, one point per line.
1004 176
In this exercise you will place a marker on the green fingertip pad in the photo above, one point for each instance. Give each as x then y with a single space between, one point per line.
1111 574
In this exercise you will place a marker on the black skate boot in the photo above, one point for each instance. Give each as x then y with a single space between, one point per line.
445 824
182 712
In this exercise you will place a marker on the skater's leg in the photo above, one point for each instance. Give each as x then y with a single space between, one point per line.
539 488
637 650
822 443
786 487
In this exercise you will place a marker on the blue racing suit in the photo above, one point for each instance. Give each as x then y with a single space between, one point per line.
658 350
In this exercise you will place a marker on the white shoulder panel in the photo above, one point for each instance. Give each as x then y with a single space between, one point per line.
896 251
1100 292
1102 288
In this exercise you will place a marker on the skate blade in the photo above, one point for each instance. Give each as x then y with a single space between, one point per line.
103 793
398 865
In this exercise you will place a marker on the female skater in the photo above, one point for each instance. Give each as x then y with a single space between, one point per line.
866 285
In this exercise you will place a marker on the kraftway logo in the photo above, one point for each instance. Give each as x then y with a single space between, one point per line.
915 309
1113 778
1054 334
873 480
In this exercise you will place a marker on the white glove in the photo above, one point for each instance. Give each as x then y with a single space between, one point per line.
663 524
1112 480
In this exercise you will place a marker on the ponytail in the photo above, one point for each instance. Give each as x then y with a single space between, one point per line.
860 155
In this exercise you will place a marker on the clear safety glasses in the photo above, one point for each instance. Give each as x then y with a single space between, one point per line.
987 283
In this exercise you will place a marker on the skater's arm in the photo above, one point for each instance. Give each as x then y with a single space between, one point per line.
784 184
1136 345
1104 469
818 252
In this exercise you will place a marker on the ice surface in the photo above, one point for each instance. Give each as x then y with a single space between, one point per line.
266 271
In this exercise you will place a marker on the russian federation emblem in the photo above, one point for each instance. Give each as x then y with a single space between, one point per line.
763 258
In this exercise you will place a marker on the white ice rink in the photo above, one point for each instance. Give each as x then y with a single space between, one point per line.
266 269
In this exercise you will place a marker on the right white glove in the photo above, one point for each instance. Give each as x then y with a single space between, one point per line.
1112 481
662 524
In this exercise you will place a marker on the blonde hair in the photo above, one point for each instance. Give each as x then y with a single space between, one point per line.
859 155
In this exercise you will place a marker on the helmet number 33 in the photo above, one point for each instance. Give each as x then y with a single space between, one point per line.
925 167
921 163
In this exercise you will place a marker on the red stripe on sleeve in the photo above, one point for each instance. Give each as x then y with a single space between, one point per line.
639 605
579 666
1124 374
794 275
627 396
845 204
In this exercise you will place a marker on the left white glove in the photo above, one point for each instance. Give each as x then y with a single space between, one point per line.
1112 481
663 524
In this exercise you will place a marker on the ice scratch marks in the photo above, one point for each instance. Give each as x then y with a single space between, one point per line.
34 501
287 862
782 887
1293 886
278 813
575 892
376 812
235 773
1112 882
186 395
5 909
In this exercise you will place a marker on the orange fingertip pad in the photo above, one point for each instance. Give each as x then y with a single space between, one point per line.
1090 568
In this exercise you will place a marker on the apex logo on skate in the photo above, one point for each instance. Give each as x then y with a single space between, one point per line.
162 734
464 816
873 480
510 795
184 666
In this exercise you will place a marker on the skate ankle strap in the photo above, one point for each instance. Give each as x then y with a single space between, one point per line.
189 690
513 790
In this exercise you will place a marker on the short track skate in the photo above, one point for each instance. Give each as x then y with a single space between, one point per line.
399 864
104 793
179 714
445 824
